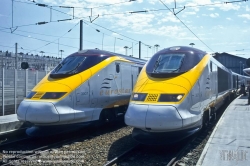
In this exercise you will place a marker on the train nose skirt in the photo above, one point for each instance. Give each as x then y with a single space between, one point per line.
161 138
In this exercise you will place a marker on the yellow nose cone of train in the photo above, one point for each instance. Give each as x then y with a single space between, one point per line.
67 84
52 87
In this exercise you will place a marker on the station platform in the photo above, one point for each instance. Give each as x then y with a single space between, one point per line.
10 123
229 143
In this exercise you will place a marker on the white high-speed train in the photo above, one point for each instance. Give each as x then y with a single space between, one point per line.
177 92
87 86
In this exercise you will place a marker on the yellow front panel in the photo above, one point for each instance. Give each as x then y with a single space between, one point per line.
181 84
69 84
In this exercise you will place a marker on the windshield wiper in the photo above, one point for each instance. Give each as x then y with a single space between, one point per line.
73 70
58 68
156 65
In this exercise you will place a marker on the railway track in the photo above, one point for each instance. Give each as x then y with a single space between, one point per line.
12 137
186 152
35 156
190 154
100 148
121 156
32 151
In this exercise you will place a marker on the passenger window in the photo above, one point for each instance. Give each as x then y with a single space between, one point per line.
117 67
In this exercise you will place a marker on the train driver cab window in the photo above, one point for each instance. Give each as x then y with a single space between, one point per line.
69 65
168 63
117 67
75 64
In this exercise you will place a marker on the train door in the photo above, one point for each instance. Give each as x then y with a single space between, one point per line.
134 75
196 101
82 100
126 79
82 95
100 87
214 82
196 95
205 87
117 76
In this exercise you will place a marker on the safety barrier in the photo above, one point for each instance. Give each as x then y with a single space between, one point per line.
15 85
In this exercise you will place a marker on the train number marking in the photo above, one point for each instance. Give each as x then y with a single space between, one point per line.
84 93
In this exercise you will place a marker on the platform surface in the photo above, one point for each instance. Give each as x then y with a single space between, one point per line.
229 143
9 123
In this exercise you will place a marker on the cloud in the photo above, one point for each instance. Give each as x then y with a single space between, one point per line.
247 16
185 14
211 9
190 4
219 44
218 27
227 6
214 15
190 13
170 31
106 1
169 17
202 2
171 1
135 22
247 8
228 18
152 1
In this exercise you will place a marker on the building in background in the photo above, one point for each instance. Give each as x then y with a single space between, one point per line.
232 62
36 62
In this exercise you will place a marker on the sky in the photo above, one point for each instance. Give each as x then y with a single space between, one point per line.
212 26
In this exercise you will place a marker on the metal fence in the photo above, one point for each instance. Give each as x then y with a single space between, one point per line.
15 85
13 61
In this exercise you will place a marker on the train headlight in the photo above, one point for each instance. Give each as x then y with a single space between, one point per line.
179 97
30 95
170 97
138 96
53 95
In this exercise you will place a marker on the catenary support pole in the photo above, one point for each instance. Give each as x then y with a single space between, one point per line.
80 35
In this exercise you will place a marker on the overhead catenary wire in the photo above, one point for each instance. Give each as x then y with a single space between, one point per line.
57 38
186 6
100 26
142 11
125 12
74 38
34 3
100 5
25 49
39 23
38 39
131 12
186 26
49 42
60 6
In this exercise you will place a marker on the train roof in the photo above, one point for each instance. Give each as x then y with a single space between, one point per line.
182 49
92 52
